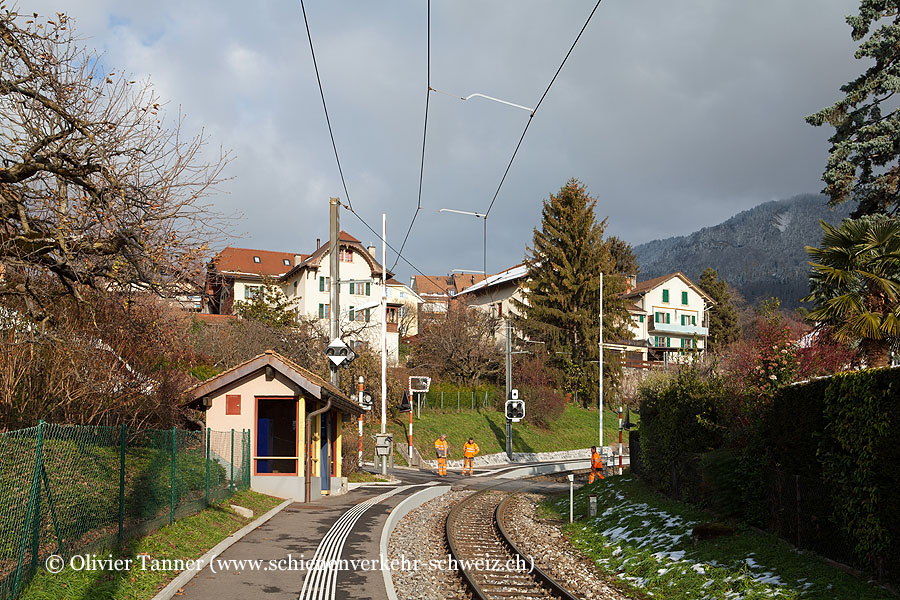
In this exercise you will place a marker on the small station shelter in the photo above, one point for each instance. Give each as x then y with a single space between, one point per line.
272 397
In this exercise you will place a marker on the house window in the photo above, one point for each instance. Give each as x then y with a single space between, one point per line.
250 291
666 296
324 311
324 284
286 262
256 259
232 404
684 298
345 255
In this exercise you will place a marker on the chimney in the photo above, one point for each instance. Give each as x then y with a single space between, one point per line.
371 250
298 259
631 283
318 243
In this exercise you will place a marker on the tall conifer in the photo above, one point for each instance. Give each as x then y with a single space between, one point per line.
561 304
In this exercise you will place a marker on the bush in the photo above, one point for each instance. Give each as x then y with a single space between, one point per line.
680 416
536 382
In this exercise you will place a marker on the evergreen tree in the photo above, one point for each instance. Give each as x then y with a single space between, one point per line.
724 327
624 260
562 290
863 160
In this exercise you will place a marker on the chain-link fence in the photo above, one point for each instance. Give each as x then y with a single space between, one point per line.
67 489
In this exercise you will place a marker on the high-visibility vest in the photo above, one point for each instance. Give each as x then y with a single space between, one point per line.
470 450
440 446
596 460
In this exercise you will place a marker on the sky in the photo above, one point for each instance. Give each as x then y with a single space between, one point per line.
675 115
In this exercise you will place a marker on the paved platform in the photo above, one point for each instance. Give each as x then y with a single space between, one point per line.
345 527
296 532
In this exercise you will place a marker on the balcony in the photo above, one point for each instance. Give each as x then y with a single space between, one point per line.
676 329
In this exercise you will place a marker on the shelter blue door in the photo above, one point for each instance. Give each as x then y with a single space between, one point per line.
324 452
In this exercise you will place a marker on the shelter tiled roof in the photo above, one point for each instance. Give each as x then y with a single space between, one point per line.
308 380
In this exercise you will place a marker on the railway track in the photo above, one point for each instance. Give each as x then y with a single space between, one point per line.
489 563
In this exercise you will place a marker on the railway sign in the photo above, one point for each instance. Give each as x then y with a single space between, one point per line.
405 404
419 383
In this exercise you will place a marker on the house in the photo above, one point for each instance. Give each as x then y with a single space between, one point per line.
669 320
494 294
436 291
274 398
409 301
305 280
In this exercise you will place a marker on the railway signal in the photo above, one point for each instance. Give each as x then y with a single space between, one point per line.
515 408
339 353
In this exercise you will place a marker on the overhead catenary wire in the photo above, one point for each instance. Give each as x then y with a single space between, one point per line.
312 52
538 105
424 129
349 204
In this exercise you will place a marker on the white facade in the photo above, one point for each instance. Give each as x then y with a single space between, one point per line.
669 317
310 288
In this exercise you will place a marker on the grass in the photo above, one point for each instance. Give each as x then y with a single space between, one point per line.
187 538
364 477
575 429
645 540
82 477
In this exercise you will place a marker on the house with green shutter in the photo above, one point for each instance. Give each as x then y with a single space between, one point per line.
668 320
237 273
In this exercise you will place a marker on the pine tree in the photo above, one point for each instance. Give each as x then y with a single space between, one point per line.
724 328
863 160
562 290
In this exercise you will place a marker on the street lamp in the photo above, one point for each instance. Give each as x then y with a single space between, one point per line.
486 97
476 215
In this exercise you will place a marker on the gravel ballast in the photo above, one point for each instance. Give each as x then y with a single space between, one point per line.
419 536
554 554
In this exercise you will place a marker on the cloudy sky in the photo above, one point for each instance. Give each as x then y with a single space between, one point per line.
676 115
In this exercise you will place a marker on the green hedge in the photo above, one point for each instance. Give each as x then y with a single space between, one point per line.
679 419
818 465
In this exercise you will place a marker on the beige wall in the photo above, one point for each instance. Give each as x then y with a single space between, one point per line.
251 387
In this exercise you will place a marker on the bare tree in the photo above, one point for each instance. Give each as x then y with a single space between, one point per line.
97 190
459 343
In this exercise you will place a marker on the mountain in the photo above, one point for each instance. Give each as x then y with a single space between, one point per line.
760 251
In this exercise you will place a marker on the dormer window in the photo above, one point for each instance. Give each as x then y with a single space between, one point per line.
286 262
256 259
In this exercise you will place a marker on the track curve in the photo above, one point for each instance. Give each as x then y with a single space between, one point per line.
489 563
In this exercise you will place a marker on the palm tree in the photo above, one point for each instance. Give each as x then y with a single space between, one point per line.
855 284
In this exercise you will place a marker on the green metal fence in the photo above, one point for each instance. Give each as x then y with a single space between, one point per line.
67 489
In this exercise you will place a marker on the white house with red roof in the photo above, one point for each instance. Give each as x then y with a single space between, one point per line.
305 279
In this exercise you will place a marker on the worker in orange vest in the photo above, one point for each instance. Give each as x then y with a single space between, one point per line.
470 449
596 465
440 449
